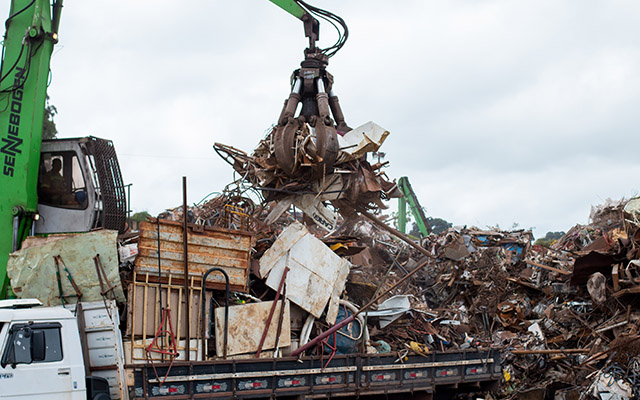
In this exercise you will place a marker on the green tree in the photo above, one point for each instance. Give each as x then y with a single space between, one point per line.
549 238
438 225
49 130
135 219
140 216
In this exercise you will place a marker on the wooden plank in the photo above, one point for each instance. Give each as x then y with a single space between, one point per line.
145 316
633 290
548 268
614 276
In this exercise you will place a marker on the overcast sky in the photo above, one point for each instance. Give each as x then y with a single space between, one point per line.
500 112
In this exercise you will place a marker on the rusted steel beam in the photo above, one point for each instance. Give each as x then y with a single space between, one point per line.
552 351
548 268
393 231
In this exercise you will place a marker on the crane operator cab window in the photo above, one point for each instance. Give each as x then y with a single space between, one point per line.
60 181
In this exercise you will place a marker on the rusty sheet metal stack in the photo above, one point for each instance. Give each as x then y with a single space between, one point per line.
207 247
64 269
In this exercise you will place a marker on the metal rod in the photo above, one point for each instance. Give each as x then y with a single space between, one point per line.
226 311
394 232
553 351
16 227
280 321
346 321
273 308
128 186
297 85
159 274
185 247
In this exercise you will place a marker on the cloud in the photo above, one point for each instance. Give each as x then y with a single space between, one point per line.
499 111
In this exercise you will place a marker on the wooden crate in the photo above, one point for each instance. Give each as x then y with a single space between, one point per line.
207 247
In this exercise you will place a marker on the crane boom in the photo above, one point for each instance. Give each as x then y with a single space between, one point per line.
311 25
28 43
291 7
414 205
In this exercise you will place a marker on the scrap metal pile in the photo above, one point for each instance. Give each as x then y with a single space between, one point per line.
566 316
309 182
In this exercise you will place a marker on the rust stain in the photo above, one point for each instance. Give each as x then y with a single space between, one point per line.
207 247
246 324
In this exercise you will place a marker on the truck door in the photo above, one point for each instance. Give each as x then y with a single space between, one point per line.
27 371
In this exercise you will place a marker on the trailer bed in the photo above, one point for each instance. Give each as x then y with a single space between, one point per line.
309 377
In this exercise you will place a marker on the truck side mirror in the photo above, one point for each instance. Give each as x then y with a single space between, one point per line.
38 346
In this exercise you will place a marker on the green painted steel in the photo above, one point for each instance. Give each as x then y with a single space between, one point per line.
414 205
28 43
402 214
291 7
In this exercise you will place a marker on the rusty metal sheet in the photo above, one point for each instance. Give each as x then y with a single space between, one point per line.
364 139
33 272
246 324
317 275
207 247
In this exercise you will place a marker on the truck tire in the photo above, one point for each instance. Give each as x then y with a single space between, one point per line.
97 388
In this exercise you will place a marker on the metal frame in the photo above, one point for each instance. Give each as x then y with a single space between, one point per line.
150 310
347 375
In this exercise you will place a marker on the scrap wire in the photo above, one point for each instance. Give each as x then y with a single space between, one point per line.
630 375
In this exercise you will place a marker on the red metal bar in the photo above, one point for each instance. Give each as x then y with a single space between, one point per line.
273 308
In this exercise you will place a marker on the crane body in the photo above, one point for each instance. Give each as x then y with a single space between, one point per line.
70 185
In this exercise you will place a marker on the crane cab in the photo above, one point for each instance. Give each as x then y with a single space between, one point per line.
80 187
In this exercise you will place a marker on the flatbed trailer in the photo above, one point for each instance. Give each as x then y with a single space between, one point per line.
314 377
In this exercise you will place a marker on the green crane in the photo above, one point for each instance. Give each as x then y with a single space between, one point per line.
32 31
64 198
311 25
410 197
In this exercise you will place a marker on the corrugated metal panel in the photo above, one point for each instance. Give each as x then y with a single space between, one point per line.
207 247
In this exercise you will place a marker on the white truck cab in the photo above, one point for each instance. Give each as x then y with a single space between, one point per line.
40 353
